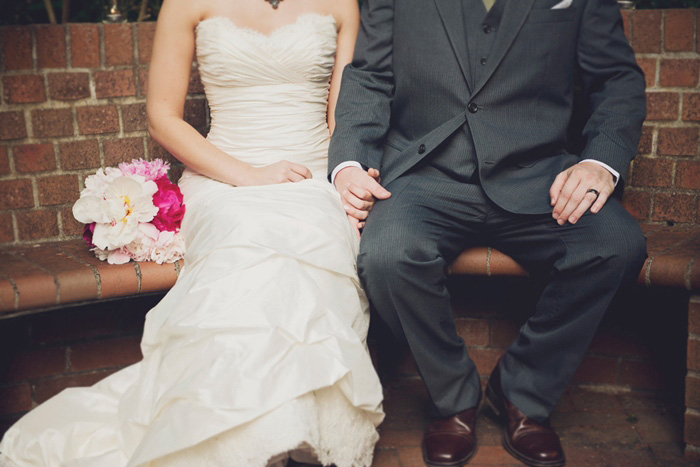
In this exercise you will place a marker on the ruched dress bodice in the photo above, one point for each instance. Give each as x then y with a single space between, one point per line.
268 94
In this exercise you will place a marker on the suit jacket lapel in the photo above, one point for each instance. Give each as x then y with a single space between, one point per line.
514 16
453 20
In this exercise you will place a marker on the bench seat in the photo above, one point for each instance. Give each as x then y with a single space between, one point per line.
48 275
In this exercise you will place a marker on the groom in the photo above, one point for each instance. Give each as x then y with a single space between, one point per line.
463 106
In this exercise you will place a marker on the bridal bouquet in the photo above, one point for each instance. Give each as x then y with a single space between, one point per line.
132 212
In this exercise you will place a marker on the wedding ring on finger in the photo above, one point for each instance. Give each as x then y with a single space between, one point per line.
594 191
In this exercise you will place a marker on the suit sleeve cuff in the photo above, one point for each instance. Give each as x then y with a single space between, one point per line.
615 173
343 165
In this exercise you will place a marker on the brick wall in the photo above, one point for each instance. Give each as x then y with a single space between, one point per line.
664 181
72 100
692 382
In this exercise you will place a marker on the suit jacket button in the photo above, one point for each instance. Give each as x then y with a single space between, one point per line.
421 149
487 29
473 108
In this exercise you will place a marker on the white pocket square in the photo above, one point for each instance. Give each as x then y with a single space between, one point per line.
562 5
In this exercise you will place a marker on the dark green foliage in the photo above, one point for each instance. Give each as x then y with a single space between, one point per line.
81 11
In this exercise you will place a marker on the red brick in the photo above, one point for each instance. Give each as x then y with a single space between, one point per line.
692 453
678 31
122 150
662 105
691 107
24 89
692 428
4 161
146 31
33 225
105 354
51 46
58 189
85 45
36 364
156 151
143 81
637 203
46 389
118 83
134 117
52 122
598 370
12 125
681 72
195 112
17 48
647 31
7 233
195 85
640 375
648 66
71 227
647 171
79 154
673 207
503 333
118 44
693 354
473 331
678 141
688 174
97 119
16 193
692 392
15 399
694 316
385 458
485 359
34 158
646 140
69 86
626 20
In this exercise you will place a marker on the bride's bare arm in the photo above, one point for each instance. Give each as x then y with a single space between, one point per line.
348 17
168 77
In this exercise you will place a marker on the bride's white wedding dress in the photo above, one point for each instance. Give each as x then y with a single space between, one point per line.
259 348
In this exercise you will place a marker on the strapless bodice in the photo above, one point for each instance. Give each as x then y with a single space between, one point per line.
268 94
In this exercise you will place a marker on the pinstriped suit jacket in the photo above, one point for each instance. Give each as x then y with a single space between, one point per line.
406 94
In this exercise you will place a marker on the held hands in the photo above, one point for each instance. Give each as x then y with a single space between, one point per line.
358 192
574 191
279 172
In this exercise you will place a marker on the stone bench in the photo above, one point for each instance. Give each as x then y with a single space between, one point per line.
47 276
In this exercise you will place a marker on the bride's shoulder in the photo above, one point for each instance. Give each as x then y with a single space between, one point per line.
346 12
190 11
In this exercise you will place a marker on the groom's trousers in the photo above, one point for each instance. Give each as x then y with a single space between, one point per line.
411 238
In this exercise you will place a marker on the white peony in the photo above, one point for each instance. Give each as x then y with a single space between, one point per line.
125 202
96 185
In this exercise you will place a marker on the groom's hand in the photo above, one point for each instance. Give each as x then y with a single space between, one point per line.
582 186
358 191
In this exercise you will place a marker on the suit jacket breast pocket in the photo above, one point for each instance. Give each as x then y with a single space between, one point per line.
546 15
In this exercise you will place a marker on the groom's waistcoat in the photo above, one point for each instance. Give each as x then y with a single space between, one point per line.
488 98
480 30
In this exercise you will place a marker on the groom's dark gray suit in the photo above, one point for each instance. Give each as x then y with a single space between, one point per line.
465 113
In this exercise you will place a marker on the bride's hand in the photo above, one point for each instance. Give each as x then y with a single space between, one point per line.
279 172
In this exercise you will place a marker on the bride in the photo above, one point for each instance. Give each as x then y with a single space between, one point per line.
257 354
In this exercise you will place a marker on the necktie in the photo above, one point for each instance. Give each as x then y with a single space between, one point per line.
488 4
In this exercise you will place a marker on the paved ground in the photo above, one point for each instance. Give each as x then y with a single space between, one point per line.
596 430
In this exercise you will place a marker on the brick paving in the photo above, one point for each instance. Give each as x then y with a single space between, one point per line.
596 429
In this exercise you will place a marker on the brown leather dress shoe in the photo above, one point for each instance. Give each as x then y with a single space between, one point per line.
450 442
532 443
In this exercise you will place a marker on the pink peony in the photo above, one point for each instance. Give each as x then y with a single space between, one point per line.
152 170
168 200
88 230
